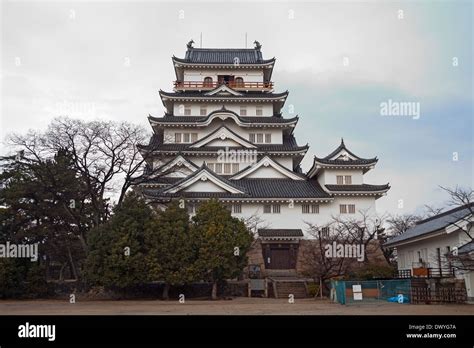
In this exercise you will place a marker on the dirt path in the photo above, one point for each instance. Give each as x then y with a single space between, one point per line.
237 306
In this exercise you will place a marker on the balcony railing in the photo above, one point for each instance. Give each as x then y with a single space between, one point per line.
426 272
232 84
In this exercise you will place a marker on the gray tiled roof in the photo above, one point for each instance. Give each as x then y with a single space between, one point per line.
223 56
270 232
201 119
358 160
466 248
155 144
257 188
245 95
433 224
357 188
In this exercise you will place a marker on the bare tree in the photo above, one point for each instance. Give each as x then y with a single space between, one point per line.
105 153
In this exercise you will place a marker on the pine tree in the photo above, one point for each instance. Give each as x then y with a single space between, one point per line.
171 252
117 248
222 242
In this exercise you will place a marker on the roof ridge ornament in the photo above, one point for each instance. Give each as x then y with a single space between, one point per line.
258 46
190 44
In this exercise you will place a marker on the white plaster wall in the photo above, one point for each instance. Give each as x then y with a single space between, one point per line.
249 75
204 186
267 108
286 162
294 218
408 253
329 176
267 172
276 138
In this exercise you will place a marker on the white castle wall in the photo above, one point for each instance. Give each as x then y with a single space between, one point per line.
329 176
249 75
267 108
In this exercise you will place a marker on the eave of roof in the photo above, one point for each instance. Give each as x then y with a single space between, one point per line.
432 226
199 96
363 188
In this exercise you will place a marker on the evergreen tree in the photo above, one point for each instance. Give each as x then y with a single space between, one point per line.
222 243
171 252
117 248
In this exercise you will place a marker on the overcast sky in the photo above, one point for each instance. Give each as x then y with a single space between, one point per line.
340 61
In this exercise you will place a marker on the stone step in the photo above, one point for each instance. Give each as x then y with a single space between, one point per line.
285 288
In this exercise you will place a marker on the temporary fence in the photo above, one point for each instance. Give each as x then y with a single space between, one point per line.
370 291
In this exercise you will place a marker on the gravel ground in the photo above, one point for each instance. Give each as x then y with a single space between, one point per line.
236 306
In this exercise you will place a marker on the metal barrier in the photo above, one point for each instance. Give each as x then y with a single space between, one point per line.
371 291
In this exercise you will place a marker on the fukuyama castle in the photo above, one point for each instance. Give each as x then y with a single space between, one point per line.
224 136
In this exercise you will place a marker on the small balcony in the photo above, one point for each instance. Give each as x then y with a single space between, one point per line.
209 85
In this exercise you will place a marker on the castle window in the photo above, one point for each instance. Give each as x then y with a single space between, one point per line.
203 111
276 208
218 168
259 138
310 209
208 82
227 168
340 179
239 82
351 208
259 110
252 137
268 138
243 111
187 111
342 208
194 137
235 168
267 208
348 180
237 207
177 137
186 138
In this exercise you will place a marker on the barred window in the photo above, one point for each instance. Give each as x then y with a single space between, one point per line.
268 138
340 179
235 168
252 137
343 209
227 168
348 180
210 166
276 209
259 138
352 208
218 168
310 209
186 138
177 137
237 208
